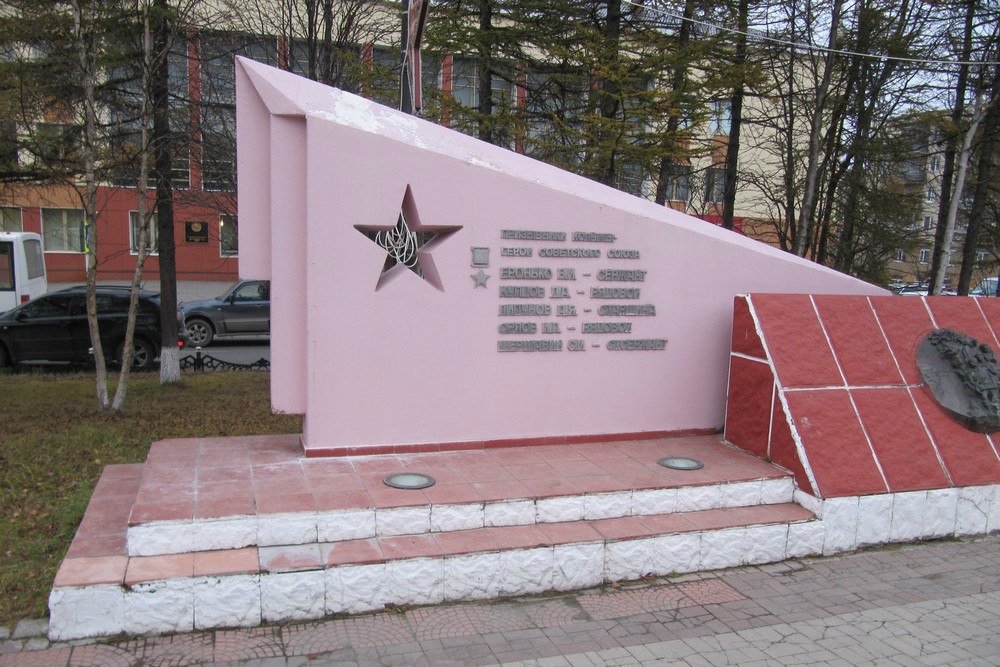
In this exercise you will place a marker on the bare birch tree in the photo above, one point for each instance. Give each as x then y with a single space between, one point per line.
87 42
143 213
983 104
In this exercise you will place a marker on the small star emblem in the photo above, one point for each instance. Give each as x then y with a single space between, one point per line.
480 279
408 244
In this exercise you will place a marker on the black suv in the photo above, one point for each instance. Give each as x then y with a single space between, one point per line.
53 327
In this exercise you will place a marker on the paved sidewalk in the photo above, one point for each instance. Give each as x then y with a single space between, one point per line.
924 604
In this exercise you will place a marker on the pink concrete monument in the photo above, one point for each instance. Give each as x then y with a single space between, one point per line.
433 291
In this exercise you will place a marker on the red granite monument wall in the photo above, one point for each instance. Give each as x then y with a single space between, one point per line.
828 387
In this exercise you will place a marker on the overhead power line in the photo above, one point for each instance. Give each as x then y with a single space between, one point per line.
753 34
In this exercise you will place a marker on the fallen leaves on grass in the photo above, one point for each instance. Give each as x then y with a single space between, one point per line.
55 443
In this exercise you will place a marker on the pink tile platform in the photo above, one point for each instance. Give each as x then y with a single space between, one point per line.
239 531
234 492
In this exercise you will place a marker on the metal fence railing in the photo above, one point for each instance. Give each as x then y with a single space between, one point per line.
204 362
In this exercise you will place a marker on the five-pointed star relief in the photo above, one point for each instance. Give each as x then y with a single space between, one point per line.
480 279
409 244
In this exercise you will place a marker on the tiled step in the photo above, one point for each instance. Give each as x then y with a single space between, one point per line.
245 587
229 493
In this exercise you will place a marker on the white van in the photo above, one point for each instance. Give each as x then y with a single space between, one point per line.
22 269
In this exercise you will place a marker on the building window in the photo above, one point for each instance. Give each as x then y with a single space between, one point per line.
62 229
899 255
715 184
133 233
679 182
934 165
10 219
123 116
982 255
8 146
465 83
721 117
925 255
631 178
928 223
930 195
57 143
218 96
228 236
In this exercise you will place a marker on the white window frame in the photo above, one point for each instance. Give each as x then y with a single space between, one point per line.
222 222
899 255
925 255
133 234
928 222
20 218
720 122
83 224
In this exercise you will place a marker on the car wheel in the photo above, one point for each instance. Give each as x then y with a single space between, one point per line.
200 332
142 354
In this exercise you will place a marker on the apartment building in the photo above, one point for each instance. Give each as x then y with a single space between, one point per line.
205 217
921 177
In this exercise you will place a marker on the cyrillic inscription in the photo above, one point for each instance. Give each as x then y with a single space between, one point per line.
613 292
607 327
569 310
623 254
645 310
516 252
638 344
517 328
525 310
522 292
532 235
526 273
622 276
569 252
529 345
593 237
570 298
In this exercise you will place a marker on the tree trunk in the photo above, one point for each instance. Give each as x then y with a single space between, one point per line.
981 193
86 47
485 70
786 237
312 40
948 171
944 252
606 148
736 120
678 83
808 205
140 261
327 68
163 153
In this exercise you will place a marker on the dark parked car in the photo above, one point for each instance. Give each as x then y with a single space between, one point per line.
53 327
243 309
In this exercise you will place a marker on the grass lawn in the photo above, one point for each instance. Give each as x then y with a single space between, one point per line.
54 444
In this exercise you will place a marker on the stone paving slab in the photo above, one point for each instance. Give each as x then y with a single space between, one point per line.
923 604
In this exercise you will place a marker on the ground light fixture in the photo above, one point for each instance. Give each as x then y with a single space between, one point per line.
680 463
409 480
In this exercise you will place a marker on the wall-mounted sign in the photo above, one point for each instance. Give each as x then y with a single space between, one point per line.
196 232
